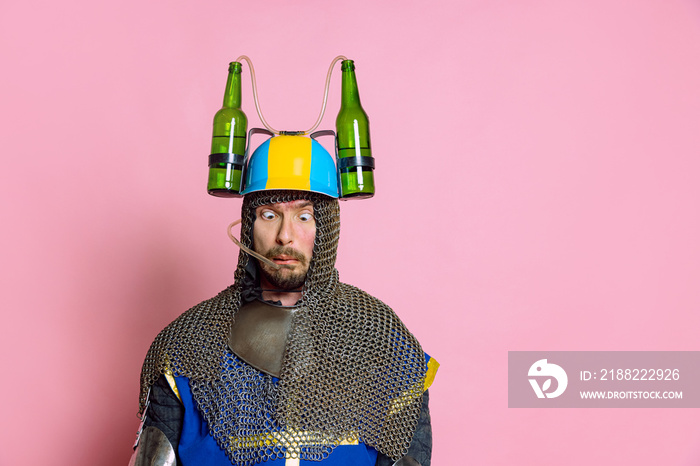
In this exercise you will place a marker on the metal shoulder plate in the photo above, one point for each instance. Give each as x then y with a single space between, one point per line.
153 449
259 335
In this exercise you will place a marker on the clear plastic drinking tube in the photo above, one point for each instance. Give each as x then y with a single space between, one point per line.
257 103
260 257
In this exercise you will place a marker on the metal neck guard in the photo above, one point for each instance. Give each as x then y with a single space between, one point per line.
259 335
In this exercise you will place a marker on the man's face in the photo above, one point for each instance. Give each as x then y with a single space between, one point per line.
285 233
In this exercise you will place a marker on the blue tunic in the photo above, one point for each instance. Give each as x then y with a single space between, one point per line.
198 447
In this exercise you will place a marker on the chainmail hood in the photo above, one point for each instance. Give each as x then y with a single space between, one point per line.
351 370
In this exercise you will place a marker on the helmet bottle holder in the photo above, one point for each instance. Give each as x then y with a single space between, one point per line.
348 169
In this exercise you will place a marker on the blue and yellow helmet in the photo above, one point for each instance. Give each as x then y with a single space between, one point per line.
291 162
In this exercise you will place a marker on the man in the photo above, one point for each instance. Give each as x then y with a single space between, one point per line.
288 366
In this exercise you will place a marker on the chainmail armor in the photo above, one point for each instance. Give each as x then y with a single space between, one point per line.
351 369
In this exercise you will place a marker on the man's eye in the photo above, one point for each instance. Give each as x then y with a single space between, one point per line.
267 215
305 217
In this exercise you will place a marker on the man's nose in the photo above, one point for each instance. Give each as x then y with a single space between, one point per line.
285 234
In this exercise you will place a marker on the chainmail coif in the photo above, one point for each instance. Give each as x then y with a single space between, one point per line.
351 370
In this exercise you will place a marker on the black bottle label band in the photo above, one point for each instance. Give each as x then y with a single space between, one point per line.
356 161
236 159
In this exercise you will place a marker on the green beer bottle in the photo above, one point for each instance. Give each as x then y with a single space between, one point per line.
228 140
355 162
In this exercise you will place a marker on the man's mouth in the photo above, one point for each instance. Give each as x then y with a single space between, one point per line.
285 260
285 257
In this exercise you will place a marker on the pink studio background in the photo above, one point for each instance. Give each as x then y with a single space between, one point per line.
537 190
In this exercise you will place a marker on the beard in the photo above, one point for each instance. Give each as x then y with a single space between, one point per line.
285 278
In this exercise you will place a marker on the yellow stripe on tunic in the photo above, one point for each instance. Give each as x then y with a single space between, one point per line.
171 381
430 373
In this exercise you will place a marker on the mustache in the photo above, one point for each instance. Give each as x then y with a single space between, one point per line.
286 251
